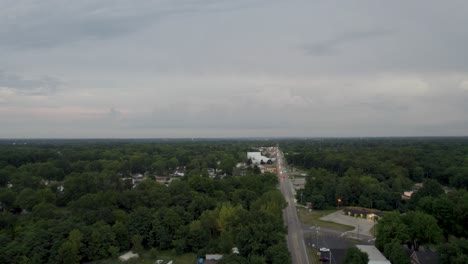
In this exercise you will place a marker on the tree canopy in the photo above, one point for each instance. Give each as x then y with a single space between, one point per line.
76 201
356 256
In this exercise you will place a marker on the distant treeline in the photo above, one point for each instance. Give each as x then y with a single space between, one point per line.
375 172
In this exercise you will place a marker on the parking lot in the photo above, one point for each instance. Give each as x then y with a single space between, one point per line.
362 227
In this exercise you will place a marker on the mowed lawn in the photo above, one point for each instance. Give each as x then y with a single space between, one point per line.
312 218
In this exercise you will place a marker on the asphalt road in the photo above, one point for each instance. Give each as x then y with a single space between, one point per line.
336 241
296 243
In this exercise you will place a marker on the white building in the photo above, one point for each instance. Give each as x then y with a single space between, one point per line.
257 158
127 256
215 257
375 256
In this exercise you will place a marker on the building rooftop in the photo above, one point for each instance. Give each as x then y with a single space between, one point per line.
362 210
426 257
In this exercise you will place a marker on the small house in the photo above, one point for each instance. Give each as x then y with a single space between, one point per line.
129 255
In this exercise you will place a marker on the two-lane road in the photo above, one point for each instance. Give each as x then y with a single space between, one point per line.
296 243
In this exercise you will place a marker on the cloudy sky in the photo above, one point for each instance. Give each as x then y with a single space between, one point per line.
223 68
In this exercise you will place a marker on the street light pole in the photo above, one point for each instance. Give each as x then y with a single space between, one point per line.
317 238
358 231
317 235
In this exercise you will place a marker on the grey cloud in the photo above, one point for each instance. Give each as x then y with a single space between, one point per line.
332 45
114 114
41 86
213 116
55 23
388 105
373 68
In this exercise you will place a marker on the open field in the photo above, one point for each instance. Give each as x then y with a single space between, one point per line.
312 218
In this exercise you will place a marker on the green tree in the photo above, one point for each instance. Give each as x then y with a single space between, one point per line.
244 197
197 237
27 199
121 235
7 199
391 227
455 251
101 242
459 201
159 166
152 194
137 242
201 203
172 163
77 185
318 201
227 164
5 173
233 259
430 188
69 252
395 253
44 211
23 179
422 228
140 224
255 259
278 254
356 256
46 195
256 170
443 209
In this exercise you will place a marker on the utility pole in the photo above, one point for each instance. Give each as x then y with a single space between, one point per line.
317 235
317 239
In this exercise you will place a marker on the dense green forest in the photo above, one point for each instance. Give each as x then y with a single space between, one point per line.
69 202
374 173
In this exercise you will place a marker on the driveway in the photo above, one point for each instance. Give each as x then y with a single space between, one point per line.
361 226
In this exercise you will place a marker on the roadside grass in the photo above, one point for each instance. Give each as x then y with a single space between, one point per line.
373 230
147 257
313 257
353 240
312 218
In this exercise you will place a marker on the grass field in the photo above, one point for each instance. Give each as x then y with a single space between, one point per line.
312 218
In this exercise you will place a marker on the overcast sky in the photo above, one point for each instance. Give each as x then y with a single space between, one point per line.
237 68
